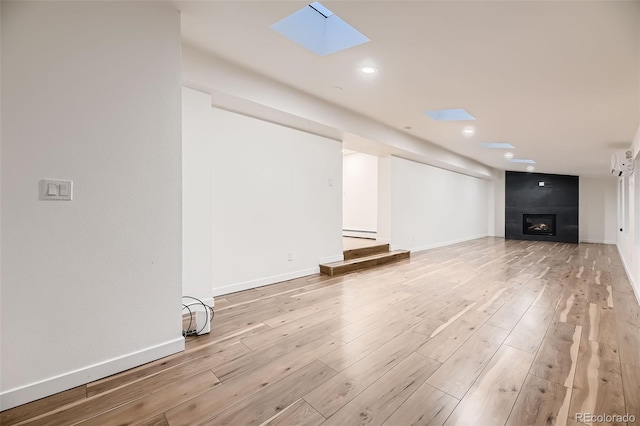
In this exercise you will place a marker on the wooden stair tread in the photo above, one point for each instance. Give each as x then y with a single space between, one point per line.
365 258
345 266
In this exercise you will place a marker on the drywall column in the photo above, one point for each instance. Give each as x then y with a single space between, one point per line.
499 200
90 287
384 199
197 190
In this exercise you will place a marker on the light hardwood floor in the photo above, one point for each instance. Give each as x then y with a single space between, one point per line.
487 332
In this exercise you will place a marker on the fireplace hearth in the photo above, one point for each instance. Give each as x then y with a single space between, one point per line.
539 224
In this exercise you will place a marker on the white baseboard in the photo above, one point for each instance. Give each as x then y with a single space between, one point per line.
360 234
246 285
629 275
441 244
598 242
31 392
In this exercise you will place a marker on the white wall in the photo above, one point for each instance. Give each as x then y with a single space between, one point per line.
598 210
360 194
1 315
628 241
197 190
275 191
90 287
432 207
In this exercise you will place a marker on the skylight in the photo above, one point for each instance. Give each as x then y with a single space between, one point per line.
321 9
456 114
522 160
318 29
496 145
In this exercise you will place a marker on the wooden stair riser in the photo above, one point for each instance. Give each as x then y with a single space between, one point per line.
365 251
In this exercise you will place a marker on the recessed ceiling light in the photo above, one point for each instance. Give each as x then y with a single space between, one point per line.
522 160
456 114
337 87
508 155
369 70
468 131
496 145
530 169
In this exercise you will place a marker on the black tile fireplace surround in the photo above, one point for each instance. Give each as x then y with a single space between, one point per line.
541 207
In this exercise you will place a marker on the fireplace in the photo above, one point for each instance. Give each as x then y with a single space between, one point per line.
539 224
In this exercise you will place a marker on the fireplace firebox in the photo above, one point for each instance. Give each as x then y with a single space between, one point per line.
539 224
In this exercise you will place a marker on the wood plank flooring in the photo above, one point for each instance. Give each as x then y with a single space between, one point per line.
486 332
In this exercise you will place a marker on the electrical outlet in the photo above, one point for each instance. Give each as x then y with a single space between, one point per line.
290 257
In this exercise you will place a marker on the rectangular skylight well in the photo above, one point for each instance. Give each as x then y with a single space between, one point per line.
318 29
522 160
456 114
496 145
321 9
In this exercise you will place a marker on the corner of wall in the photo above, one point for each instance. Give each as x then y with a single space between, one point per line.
96 255
499 200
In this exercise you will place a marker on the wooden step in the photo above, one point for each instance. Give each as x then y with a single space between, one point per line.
365 251
345 266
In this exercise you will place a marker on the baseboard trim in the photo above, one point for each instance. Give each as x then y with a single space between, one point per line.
442 244
359 234
629 275
598 242
31 392
246 285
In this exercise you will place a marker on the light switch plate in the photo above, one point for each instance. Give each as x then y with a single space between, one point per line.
52 189
55 189
63 189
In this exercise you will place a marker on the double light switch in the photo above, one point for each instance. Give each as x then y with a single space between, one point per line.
56 189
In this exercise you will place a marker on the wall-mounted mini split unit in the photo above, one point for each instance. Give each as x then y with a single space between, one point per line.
622 163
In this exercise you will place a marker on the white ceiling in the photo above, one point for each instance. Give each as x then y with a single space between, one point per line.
558 80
